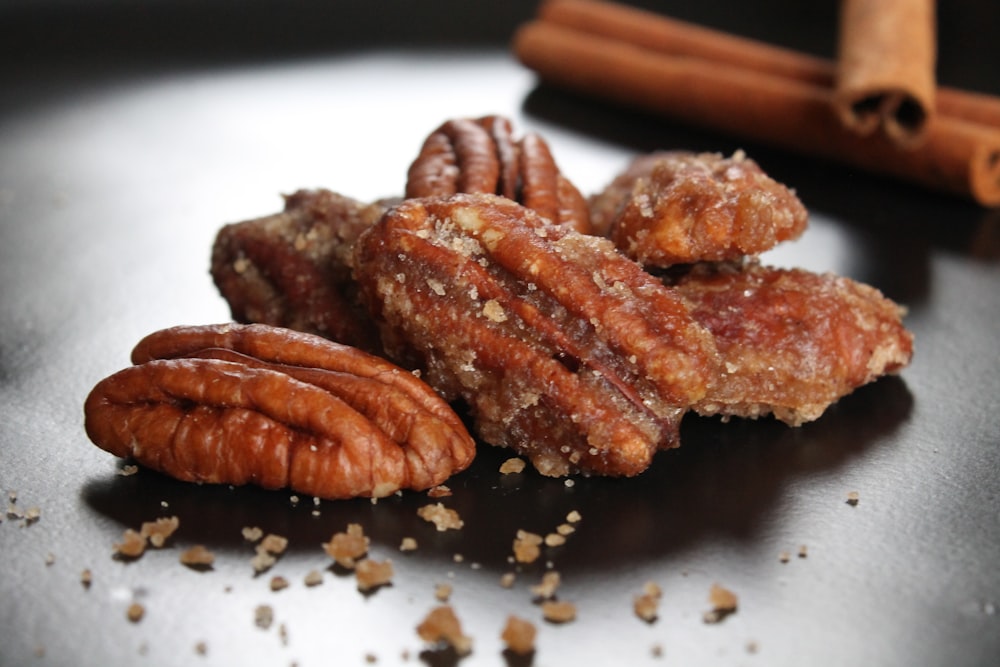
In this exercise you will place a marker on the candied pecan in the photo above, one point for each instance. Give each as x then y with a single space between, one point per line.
792 342
257 404
676 208
563 349
293 269
481 156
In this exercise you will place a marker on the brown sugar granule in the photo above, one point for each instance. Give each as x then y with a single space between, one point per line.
371 574
439 491
573 517
556 611
852 498
313 578
547 588
159 530
197 556
347 547
408 544
442 517
526 547
252 534
507 579
278 583
647 603
132 545
86 578
135 612
263 616
519 635
442 625
512 466
723 601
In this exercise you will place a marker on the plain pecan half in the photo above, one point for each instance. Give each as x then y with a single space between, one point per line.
482 156
564 350
677 207
239 404
292 269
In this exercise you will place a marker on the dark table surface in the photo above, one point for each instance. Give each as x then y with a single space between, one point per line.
130 132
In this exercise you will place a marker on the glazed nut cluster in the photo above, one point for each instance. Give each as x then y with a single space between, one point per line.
575 331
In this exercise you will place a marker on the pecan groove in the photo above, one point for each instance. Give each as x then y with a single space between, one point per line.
257 404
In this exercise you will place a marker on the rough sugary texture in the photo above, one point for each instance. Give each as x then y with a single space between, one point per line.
678 207
527 547
792 341
564 350
519 635
197 556
133 544
441 625
293 269
159 530
371 574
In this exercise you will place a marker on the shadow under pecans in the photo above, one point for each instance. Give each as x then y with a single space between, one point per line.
725 480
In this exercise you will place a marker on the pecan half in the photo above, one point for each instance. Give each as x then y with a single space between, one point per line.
240 404
482 156
677 207
293 269
792 342
564 350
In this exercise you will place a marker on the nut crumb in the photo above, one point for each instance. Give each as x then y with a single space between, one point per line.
127 470
313 578
86 578
724 602
573 517
252 534
439 491
159 530
507 579
278 583
526 547
263 616
442 517
408 544
519 635
274 544
267 551
347 547
442 592
132 545
853 497
197 556
565 529
372 574
803 551
546 590
512 466
647 604
556 611
656 651
441 625
784 556
50 558
555 540
135 612
201 648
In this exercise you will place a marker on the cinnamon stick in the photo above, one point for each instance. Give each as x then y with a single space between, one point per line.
956 156
670 36
885 73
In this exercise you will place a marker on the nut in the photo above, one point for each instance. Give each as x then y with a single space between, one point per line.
481 156
678 207
241 404
292 269
564 350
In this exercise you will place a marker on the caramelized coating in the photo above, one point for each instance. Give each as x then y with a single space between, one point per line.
679 208
792 342
482 156
239 404
293 269
563 349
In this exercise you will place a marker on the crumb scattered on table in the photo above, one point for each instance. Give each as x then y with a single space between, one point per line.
519 635
442 517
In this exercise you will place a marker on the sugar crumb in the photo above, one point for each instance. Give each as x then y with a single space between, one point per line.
347 547
371 574
512 466
557 611
519 635
197 556
442 517
724 602
441 626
